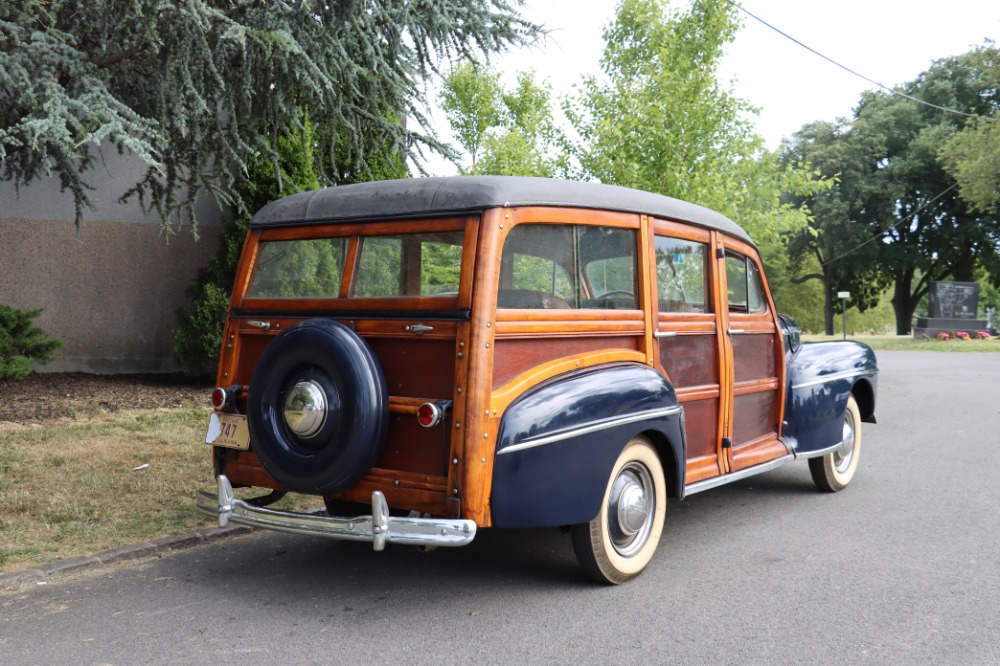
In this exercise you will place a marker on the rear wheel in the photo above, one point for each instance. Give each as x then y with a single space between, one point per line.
616 546
835 470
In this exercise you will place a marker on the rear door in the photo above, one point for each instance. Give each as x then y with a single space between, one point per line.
689 340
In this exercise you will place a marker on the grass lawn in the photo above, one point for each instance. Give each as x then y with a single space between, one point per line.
907 343
70 488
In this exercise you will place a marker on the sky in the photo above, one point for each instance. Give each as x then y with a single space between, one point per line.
888 41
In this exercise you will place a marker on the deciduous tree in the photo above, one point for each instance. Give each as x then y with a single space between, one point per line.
835 239
506 132
659 119
927 231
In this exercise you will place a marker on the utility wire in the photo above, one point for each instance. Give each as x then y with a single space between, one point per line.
857 74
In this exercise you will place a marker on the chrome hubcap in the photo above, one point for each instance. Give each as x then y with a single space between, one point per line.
842 457
631 506
305 409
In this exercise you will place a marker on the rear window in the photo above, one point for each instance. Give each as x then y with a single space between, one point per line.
410 265
299 269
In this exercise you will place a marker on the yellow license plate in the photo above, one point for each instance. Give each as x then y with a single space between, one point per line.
228 430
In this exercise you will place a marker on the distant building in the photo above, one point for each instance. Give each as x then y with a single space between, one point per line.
111 289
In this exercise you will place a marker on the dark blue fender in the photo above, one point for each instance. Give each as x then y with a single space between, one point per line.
559 442
821 377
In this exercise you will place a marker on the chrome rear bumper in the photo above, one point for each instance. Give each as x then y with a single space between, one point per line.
379 528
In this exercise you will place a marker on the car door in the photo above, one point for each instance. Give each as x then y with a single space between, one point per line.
690 344
752 349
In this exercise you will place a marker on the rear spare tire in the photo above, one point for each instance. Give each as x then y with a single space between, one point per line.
317 407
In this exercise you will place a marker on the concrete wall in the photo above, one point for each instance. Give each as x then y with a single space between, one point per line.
110 289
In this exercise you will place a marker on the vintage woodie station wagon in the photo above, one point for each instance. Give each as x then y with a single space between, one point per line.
436 355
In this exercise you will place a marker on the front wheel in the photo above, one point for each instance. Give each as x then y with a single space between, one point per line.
835 470
617 545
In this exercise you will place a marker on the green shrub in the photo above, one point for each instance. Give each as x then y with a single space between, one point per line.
22 343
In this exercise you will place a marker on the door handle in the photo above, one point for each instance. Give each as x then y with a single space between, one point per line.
664 334
735 331
417 329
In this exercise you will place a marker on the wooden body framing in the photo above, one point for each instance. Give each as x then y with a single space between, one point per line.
731 384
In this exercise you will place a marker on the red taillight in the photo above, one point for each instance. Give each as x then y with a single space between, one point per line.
219 398
429 414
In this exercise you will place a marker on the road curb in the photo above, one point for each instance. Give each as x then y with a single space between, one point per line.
40 575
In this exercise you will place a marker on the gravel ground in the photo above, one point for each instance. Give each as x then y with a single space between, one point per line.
46 397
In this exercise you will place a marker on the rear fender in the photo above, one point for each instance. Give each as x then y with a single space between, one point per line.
558 443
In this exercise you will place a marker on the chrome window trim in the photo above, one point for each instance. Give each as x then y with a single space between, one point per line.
831 378
593 427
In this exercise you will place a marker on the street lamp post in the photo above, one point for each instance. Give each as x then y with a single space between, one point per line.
843 296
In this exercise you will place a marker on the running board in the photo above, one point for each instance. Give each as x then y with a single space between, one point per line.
722 480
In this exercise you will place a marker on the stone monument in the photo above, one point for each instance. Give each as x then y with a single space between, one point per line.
953 307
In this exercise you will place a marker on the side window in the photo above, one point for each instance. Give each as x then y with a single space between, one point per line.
541 274
755 291
746 294
569 266
682 275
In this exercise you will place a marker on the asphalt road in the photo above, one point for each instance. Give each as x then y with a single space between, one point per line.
902 567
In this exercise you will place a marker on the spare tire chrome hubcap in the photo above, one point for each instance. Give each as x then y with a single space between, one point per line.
305 409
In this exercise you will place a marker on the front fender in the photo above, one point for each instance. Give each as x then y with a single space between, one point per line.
821 378
557 443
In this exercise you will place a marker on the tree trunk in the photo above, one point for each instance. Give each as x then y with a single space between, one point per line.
903 304
828 307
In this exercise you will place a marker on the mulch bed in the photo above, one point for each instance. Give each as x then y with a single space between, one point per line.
46 397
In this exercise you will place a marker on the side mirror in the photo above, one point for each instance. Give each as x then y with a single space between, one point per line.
791 332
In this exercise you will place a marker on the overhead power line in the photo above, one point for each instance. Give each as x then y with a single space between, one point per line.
853 72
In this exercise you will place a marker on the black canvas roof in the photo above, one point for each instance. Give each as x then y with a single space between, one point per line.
423 197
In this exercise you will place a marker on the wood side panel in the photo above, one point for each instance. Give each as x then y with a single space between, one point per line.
755 415
702 418
243 468
416 367
756 386
396 328
690 359
687 323
681 230
468 272
754 354
574 318
556 329
350 273
691 393
375 305
231 349
412 448
647 289
516 356
699 469
475 467
557 215
767 448
510 391
422 491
